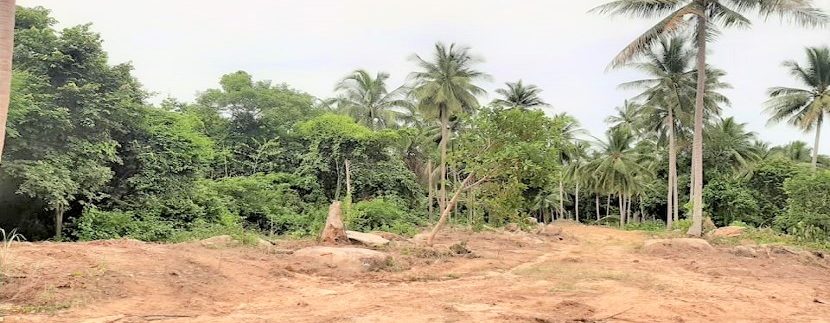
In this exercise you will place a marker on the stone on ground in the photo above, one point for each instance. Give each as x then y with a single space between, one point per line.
730 231
367 238
388 235
551 230
344 259
512 227
220 241
334 232
674 245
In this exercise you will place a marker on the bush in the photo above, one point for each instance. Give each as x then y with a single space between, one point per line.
384 214
807 214
728 200
682 225
100 225
650 225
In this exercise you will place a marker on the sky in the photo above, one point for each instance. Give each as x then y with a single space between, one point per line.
181 47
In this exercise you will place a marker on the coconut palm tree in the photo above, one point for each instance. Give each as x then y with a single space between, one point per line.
518 95
7 10
445 86
797 151
669 93
707 16
575 171
730 145
805 108
627 117
618 167
367 100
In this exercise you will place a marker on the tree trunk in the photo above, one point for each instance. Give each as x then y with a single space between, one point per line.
59 223
337 188
447 209
676 196
576 201
672 172
697 148
815 146
445 122
561 199
431 187
608 206
597 200
628 208
7 8
622 210
348 165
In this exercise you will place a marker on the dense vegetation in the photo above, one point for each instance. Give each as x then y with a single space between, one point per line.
88 157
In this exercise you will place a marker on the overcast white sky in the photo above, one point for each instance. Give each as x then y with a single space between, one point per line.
179 47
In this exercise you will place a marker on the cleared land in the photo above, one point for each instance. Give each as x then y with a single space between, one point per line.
588 274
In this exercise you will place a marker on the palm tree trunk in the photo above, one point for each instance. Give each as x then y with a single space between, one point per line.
676 195
597 202
628 208
672 172
622 210
576 201
608 206
7 8
815 146
561 199
697 148
445 121
431 187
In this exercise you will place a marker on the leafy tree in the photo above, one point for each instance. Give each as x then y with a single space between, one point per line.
729 147
729 200
808 212
805 108
706 16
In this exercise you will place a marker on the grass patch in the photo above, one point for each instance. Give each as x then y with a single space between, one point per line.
246 237
768 236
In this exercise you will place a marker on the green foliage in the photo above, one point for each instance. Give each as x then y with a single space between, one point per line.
729 200
651 226
767 186
808 207
682 225
382 214
99 225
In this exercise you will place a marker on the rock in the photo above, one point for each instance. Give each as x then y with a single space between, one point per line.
674 245
219 242
367 238
388 236
730 231
345 259
264 244
334 232
512 227
708 225
532 221
551 230
744 251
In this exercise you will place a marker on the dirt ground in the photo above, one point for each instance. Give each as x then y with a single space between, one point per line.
593 274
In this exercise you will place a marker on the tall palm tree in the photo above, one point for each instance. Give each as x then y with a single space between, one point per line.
7 9
805 108
575 172
730 145
367 100
627 117
707 16
445 86
669 93
618 167
518 95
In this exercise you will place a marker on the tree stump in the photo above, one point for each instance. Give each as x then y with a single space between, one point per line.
334 233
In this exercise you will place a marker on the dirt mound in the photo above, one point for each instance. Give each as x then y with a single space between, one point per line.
671 246
343 260
725 232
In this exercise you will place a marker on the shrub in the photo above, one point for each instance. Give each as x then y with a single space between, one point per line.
382 214
807 214
729 200
650 225
95 224
682 225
